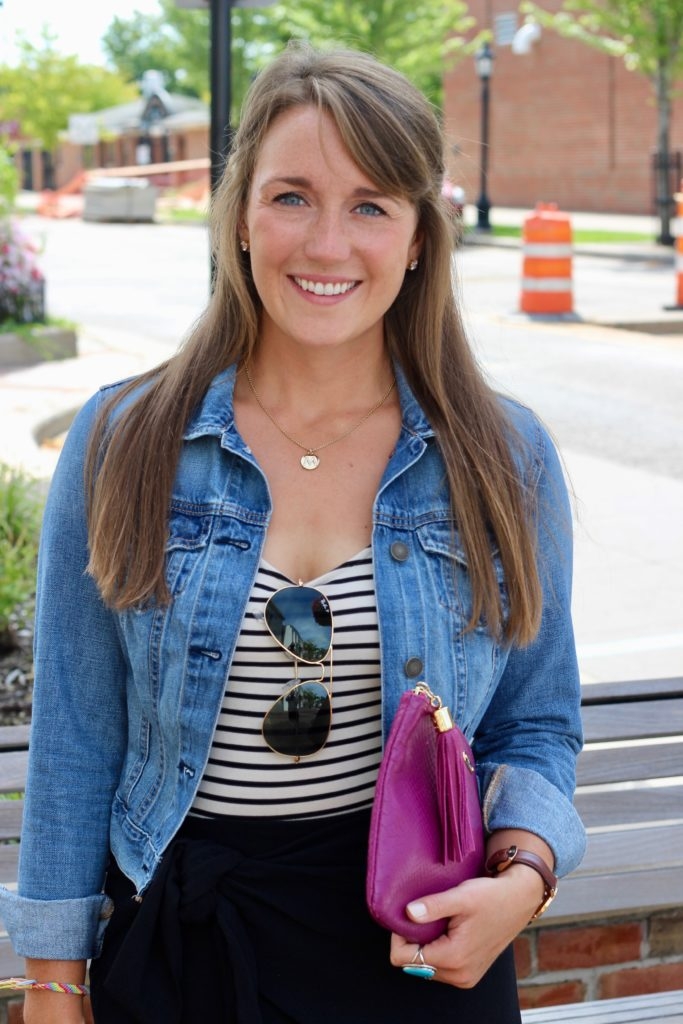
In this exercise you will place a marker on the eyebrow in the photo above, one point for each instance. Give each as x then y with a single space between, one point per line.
362 192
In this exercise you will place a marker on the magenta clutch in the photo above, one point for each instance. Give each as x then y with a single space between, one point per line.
426 831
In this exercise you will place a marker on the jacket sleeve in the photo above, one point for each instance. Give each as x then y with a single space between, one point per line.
528 740
78 733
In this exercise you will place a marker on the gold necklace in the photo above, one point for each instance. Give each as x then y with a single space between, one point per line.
310 460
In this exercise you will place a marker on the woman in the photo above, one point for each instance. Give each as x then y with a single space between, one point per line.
315 504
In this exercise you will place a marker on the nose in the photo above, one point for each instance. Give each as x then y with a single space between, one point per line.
327 241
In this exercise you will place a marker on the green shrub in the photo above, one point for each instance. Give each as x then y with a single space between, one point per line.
21 507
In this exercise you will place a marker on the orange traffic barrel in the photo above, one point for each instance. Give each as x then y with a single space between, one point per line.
678 231
547 261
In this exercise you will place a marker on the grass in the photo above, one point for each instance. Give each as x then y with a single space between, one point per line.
582 235
28 331
181 216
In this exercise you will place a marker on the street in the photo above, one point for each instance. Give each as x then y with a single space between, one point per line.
613 400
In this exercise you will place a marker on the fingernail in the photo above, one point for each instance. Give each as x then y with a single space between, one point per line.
417 909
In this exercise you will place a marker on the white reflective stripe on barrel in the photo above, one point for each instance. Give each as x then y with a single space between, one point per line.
550 251
679 262
546 284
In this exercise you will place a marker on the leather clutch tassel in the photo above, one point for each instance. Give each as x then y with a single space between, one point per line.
426 831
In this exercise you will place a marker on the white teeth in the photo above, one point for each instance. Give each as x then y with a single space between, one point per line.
318 288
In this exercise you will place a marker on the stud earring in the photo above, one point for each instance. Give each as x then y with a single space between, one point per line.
244 245
413 265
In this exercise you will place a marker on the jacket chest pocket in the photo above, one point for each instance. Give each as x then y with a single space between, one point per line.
188 537
448 561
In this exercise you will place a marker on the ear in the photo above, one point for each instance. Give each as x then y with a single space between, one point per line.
415 249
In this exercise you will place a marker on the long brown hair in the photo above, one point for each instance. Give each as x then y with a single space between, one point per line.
393 134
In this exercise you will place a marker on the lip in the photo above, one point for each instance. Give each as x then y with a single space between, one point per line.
323 287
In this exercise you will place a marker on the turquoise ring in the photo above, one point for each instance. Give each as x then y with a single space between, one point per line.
417 968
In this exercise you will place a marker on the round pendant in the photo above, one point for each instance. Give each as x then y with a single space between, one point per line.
310 461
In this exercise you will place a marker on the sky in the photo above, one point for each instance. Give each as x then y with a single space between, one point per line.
79 24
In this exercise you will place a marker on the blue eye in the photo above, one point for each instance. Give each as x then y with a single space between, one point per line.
370 210
289 199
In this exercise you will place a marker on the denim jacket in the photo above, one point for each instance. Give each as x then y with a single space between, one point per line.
125 703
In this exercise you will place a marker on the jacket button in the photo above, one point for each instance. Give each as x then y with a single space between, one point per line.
413 667
399 551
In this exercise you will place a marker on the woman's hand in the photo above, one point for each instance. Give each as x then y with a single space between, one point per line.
485 915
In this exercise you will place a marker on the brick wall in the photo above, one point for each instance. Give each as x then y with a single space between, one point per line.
567 124
601 960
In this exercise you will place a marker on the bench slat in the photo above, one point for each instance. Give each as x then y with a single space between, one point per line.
630 762
11 965
9 863
633 721
640 848
599 896
13 767
631 689
630 806
14 737
10 818
666 1007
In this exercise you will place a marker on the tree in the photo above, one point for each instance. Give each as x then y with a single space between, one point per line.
66 87
419 40
174 42
648 36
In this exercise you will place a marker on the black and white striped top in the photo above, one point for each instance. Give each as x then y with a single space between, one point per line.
243 776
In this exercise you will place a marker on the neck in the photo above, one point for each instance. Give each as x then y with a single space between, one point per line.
321 381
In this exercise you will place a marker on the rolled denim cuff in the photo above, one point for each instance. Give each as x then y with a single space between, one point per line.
55 929
520 798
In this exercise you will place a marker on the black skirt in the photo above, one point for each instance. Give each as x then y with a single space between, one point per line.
264 922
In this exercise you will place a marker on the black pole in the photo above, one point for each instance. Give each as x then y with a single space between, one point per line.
484 203
221 93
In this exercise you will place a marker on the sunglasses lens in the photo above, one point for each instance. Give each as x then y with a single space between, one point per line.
298 724
300 619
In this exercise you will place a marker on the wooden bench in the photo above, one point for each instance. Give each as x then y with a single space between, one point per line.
658 1008
630 795
13 762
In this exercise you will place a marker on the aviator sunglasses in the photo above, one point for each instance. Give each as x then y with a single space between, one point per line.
300 621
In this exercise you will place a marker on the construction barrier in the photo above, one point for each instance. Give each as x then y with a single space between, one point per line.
678 231
547 261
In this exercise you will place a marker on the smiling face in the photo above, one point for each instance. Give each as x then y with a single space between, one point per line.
328 250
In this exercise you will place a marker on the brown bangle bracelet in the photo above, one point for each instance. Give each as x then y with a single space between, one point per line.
502 859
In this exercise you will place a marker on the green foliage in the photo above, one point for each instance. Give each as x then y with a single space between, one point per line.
174 42
21 507
648 36
9 181
423 42
45 88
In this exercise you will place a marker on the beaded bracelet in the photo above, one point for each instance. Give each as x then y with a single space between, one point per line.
28 984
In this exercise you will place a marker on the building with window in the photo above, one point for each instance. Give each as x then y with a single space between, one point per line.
567 123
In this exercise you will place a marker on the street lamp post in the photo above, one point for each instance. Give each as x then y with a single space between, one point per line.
483 60
220 135
221 87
